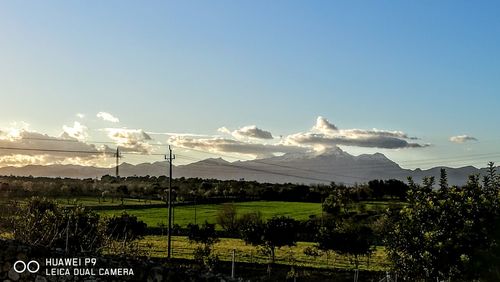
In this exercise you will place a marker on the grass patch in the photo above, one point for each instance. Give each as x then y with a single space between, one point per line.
107 201
156 246
183 215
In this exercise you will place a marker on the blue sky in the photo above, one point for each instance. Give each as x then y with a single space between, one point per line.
427 68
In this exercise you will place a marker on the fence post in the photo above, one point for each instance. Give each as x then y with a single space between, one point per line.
232 263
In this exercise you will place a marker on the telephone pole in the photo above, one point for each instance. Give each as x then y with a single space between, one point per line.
169 230
117 155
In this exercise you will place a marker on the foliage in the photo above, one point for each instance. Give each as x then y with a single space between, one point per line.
392 188
446 233
277 232
204 234
125 227
227 218
346 238
42 222
205 237
337 203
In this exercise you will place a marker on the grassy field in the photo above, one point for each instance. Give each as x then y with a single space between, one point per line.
108 201
156 246
183 215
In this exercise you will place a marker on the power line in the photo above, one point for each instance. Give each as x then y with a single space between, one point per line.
55 150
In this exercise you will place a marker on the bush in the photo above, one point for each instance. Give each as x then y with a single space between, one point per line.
125 227
227 218
205 236
42 222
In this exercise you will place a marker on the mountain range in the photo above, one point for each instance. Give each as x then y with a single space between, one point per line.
335 165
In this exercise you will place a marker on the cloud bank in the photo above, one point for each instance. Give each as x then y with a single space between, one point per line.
223 145
324 135
22 147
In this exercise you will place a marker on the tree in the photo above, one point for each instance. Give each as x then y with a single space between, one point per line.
277 232
347 238
227 218
446 233
205 236
123 192
125 227
443 179
337 203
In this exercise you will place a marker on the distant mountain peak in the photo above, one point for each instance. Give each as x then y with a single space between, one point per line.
214 160
335 151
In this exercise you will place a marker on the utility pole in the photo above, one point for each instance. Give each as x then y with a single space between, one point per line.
117 155
169 230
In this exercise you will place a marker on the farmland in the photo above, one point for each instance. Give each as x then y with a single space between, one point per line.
183 215
156 246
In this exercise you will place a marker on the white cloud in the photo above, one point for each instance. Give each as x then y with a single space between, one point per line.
107 117
249 140
323 125
80 115
250 131
131 140
223 145
462 139
324 134
77 131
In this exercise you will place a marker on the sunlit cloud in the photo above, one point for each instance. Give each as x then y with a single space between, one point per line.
223 145
131 140
323 125
250 131
77 131
462 139
325 134
23 147
107 117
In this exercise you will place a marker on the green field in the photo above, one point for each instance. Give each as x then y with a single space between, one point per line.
156 246
107 201
183 215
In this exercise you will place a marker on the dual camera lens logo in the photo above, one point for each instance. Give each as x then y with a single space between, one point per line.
32 266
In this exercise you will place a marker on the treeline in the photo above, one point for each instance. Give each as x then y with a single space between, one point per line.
192 189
